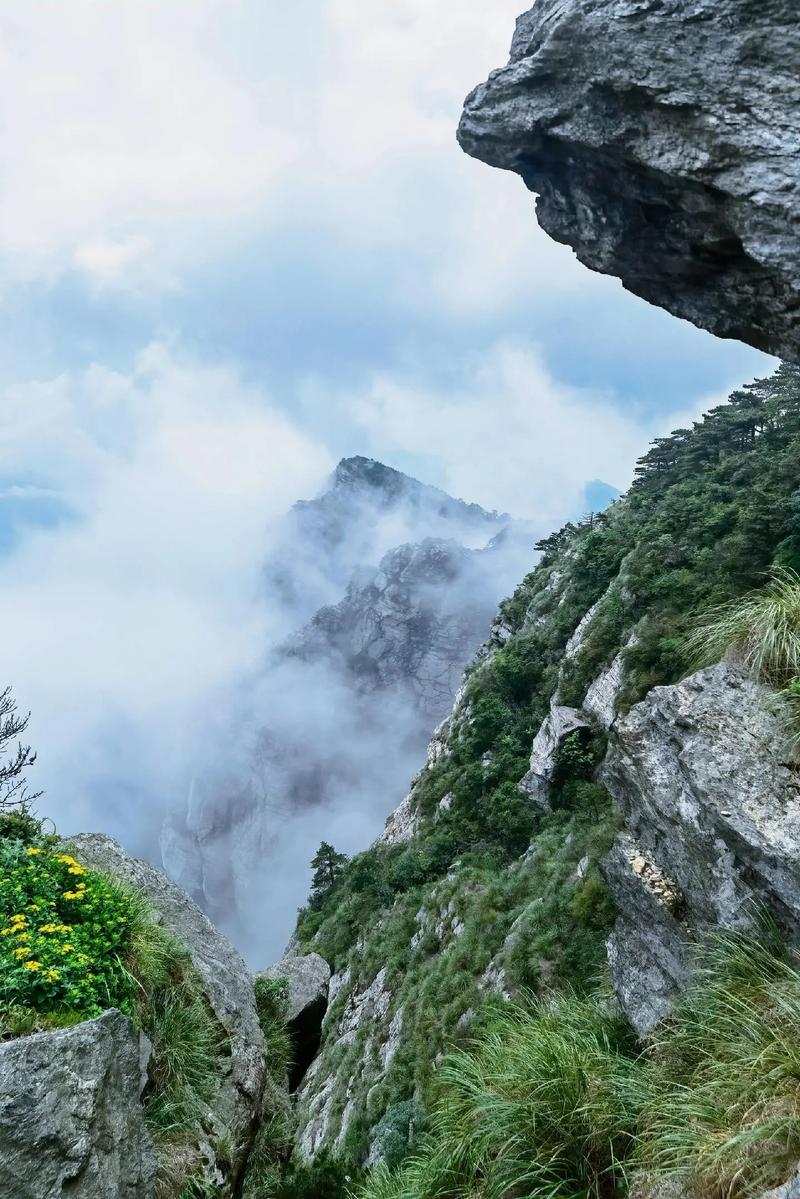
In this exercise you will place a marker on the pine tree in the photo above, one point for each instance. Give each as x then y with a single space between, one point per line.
328 867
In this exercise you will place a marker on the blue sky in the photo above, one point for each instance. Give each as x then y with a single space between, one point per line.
238 241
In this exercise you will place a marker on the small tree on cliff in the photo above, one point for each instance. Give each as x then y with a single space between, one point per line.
328 867
14 762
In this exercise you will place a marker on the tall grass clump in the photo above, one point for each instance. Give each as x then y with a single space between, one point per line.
272 1002
546 1106
723 1089
761 631
187 1041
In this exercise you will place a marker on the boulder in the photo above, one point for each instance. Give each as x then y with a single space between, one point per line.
228 988
711 800
71 1120
307 976
661 139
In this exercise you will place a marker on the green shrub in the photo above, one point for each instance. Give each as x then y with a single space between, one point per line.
20 824
325 1176
559 1101
64 934
399 1131
545 1106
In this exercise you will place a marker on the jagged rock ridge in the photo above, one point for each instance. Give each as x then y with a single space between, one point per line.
661 139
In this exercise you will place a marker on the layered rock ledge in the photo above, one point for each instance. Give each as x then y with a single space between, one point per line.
662 137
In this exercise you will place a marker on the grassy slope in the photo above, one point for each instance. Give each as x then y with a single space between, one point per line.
712 509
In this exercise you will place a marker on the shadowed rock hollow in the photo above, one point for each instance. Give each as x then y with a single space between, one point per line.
662 137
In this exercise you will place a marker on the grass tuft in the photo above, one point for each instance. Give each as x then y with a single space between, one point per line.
558 1103
546 1106
761 631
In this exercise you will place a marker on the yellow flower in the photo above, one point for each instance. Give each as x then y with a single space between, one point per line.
52 976
66 948
73 894
33 965
22 952
76 870
32 852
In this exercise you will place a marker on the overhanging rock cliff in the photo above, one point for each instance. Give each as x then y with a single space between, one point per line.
661 137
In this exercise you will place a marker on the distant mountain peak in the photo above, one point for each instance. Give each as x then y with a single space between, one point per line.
361 475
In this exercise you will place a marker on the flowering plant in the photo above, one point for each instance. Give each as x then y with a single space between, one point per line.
64 933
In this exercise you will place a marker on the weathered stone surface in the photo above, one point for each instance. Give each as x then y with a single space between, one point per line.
307 975
228 987
556 727
789 1190
600 701
647 949
70 1116
712 808
364 1013
401 824
661 137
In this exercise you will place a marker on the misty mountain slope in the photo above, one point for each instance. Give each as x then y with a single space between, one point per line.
365 510
332 723
496 877
410 624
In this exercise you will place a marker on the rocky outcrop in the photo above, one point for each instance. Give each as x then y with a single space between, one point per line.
389 587
559 724
661 139
70 1117
711 800
327 1098
307 977
600 701
228 988
401 824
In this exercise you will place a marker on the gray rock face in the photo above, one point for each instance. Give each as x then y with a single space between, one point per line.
661 137
364 1015
401 824
307 975
228 988
70 1117
712 808
556 727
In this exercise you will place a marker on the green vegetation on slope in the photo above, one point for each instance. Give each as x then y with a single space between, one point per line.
556 1099
713 509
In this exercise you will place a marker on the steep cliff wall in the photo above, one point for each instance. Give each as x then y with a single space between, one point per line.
661 139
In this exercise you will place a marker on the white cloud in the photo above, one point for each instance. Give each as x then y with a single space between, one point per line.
132 621
130 125
506 434
148 137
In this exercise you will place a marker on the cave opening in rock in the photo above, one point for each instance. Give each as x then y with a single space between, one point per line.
306 1032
